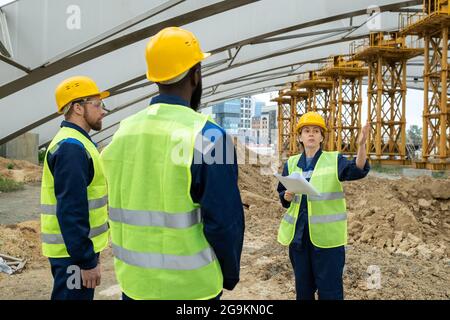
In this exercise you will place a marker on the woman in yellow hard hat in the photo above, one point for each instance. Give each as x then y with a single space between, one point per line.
315 226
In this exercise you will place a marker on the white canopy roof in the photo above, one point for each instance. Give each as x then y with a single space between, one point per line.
257 46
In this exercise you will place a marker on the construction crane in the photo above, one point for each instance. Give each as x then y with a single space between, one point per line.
432 25
346 102
386 55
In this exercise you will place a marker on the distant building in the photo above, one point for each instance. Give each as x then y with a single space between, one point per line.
246 113
257 110
271 112
251 120
256 123
260 129
228 115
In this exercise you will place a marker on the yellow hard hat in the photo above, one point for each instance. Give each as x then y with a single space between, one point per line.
75 88
311 119
172 52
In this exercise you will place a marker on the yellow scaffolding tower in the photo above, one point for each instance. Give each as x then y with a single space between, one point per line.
284 125
433 26
292 104
319 97
346 102
299 105
386 55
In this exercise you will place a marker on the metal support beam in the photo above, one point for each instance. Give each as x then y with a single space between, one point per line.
114 31
66 63
387 98
5 45
303 35
433 26
346 113
436 141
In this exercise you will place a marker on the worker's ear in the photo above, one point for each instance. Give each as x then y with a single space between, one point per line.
78 109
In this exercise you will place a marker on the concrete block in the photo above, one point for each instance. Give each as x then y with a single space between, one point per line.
24 147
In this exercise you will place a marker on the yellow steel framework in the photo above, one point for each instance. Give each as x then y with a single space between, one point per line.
433 26
346 102
386 55
285 125
299 106
319 97
292 104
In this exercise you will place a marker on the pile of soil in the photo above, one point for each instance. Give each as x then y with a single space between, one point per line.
22 171
22 241
404 216
399 226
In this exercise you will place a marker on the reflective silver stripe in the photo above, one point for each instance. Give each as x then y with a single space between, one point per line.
289 219
307 174
327 196
48 209
52 238
93 204
155 218
98 230
164 261
58 238
55 148
98 203
328 218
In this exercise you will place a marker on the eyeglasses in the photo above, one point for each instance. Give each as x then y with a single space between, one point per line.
95 103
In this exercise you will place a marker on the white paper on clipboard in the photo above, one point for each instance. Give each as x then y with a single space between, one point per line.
296 183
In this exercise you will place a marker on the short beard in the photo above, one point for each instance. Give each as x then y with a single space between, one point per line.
197 96
96 126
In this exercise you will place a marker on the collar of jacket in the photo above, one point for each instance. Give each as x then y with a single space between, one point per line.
169 99
72 125
302 161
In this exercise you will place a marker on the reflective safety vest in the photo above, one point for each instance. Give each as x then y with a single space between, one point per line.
327 213
52 240
160 250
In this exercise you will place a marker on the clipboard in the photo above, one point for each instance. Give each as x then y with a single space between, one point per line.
297 184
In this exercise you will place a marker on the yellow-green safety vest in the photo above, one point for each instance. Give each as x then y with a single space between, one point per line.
327 213
160 250
52 240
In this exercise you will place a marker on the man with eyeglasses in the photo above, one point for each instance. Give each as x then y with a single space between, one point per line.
74 227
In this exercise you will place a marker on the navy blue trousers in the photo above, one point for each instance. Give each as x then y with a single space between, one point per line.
125 297
317 269
64 279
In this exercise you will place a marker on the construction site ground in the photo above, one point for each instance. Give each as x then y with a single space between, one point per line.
397 225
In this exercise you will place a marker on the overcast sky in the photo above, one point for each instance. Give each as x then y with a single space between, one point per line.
414 105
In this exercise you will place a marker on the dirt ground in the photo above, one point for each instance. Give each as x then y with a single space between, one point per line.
400 227
22 171
21 205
